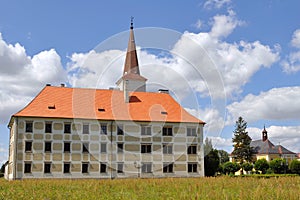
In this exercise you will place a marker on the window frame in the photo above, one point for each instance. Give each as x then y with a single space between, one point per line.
27 168
48 147
120 147
192 149
146 130
103 166
146 167
145 148
26 147
28 126
192 167
120 167
67 130
103 129
167 147
85 167
69 168
69 143
120 130
47 167
190 133
85 147
167 131
48 127
85 129
168 168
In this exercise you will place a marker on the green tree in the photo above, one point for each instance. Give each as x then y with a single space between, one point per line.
261 165
224 156
230 167
295 166
207 146
278 165
211 163
242 150
247 166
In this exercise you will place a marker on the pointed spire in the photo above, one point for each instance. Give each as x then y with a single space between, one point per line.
131 61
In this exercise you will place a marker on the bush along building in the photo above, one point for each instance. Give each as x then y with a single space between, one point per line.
105 133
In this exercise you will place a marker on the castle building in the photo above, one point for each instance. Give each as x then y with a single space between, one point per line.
105 133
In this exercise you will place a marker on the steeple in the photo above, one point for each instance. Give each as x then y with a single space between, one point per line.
131 61
264 134
131 79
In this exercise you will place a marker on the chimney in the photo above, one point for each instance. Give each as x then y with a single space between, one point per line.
163 91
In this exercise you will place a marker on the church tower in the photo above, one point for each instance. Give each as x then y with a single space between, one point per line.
131 80
264 134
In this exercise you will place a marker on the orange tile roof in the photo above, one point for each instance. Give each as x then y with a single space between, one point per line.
103 104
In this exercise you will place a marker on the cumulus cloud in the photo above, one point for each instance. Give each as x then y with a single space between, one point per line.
21 76
275 104
291 64
209 4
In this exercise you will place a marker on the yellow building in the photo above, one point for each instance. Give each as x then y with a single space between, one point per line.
98 133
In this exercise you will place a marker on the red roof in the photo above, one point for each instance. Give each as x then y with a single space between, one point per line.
63 102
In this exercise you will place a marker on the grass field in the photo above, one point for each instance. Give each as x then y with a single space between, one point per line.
172 188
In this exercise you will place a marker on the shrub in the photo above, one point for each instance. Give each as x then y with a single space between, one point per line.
261 165
247 167
295 166
278 165
230 167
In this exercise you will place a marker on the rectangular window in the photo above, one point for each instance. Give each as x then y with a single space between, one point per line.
67 167
28 127
192 167
191 131
27 167
145 130
67 147
120 147
47 168
146 167
48 127
28 146
103 148
168 168
167 131
85 129
47 146
146 148
85 168
67 128
85 147
103 168
103 129
167 148
120 129
120 168
192 149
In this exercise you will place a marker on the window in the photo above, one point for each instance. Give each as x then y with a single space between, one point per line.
103 129
85 129
28 146
47 168
103 168
67 128
120 130
47 146
168 168
191 131
192 149
48 127
28 127
145 130
120 168
145 148
67 147
85 148
167 131
167 148
67 167
103 147
85 168
27 167
192 167
120 147
146 167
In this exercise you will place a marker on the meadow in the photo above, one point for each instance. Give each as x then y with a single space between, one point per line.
171 188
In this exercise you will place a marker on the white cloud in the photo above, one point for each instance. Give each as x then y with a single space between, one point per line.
291 64
21 76
275 104
198 24
209 4
296 39
222 143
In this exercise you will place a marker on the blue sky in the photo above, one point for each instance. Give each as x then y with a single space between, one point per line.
253 45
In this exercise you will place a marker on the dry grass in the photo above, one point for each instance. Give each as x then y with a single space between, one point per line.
171 188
